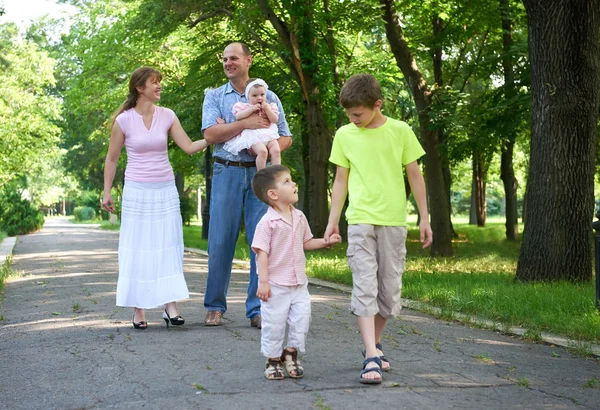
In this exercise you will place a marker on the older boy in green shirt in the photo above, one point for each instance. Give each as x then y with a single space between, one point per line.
370 154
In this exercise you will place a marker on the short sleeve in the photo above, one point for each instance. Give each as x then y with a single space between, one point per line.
412 150
307 232
170 116
211 110
282 126
274 108
239 106
122 121
262 236
337 154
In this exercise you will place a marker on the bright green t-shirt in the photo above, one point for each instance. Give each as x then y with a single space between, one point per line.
376 158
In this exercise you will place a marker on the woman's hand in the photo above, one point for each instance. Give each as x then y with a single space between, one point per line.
108 203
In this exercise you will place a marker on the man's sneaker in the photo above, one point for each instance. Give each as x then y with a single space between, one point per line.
213 318
256 322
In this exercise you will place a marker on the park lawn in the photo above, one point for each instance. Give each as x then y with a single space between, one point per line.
479 281
192 238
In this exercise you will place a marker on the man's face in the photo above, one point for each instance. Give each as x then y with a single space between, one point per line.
235 62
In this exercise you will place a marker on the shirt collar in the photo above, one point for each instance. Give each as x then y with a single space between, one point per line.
229 89
273 215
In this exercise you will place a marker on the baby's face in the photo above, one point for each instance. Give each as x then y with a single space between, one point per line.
258 95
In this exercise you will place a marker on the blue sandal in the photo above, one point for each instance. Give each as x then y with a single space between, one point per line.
382 357
364 371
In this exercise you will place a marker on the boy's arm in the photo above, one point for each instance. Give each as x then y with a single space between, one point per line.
417 185
338 198
262 266
319 243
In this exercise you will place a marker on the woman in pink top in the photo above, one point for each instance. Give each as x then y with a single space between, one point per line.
151 237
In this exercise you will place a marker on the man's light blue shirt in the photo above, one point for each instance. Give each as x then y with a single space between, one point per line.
218 103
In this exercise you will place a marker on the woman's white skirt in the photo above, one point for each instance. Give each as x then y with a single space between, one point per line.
150 246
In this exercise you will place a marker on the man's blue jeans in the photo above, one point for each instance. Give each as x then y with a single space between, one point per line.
231 197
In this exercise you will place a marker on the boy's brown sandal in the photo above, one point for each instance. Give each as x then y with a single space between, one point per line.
273 370
292 366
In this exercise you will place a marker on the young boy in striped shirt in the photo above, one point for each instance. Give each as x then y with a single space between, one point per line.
280 239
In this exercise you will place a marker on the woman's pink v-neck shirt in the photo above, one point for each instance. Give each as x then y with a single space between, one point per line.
147 157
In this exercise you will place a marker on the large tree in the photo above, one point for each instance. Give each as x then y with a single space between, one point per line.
422 94
565 79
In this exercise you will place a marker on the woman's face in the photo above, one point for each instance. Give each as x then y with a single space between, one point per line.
151 89
257 95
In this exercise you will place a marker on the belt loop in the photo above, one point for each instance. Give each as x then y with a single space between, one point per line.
227 163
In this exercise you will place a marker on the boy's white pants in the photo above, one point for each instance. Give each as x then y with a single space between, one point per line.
287 305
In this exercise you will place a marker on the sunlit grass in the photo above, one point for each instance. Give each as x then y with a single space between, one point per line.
192 238
3 235
478 281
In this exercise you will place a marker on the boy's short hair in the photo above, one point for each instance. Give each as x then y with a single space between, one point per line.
265 179
360 90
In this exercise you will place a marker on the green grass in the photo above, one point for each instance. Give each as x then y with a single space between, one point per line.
3 235
192 237
479 281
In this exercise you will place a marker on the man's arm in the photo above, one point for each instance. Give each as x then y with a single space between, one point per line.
214 132
284 143
224 132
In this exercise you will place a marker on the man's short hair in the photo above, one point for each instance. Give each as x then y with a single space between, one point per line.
266 179
245 48
360 90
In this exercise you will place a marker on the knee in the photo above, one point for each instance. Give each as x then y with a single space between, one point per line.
274 148
260 149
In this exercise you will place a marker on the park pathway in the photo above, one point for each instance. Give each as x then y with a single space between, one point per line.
64 345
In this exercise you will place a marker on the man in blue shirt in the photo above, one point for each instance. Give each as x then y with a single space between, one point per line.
232 195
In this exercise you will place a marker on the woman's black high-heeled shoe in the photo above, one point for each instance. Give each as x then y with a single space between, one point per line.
175 321
140 325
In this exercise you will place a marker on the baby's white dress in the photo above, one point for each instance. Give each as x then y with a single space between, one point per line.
248 137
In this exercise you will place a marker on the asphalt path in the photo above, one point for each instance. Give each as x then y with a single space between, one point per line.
65 345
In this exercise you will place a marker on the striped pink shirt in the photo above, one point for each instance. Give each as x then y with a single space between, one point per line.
284 243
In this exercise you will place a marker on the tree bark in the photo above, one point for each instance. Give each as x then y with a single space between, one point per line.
478 193
438 28
440 217
565 87
299 38
507 173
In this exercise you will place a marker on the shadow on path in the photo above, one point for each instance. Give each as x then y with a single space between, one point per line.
64 345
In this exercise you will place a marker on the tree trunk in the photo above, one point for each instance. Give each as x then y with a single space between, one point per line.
208 190
440 217
299 37
565 89
437 57
507 173
316 142
479 187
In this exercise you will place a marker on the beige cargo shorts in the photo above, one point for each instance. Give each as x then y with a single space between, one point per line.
376 255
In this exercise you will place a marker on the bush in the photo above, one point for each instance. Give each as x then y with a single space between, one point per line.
18 216
188 207
84 213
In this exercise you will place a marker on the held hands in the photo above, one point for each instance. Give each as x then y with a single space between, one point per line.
108 203
333 239
264 291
